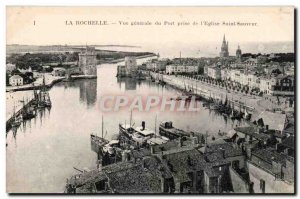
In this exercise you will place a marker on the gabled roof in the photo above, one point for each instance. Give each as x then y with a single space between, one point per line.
275 121
16 77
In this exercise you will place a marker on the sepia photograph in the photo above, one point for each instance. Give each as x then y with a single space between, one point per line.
150 100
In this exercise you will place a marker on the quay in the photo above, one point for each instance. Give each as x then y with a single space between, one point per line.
241 102
50 81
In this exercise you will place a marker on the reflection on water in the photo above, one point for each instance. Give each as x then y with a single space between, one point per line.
130 84
42 152
87 90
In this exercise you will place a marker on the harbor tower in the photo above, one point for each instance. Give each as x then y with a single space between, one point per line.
88 62
130 65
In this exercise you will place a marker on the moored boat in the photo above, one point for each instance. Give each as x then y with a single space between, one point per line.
167 130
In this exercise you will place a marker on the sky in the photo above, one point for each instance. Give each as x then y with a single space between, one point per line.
47 25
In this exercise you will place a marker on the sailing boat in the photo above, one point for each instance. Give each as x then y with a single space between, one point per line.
28 112
16 119
97 142
44 97
126 129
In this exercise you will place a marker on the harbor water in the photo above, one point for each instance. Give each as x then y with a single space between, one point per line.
42 152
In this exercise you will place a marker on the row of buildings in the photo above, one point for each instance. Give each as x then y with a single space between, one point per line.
268 82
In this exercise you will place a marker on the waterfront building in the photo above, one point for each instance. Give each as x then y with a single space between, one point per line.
253 80
284 86
205 70
88 62
214 72
179 69
151 64
225 74
224 49
266 84
235 75
161 65
16 80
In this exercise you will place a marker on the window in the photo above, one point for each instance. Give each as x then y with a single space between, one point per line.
262 186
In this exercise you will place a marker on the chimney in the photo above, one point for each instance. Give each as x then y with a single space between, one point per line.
192 134
277 147
152 149
223 152
124 156
267 127
180 142
144 164
195 140
143 125
99 165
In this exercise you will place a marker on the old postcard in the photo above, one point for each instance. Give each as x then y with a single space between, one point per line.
150 100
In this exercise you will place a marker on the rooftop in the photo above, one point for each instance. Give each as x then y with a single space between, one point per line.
276 121
270 155
15 77
252 131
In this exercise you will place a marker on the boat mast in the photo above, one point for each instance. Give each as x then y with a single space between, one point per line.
155 124
130 118
102 126
14 114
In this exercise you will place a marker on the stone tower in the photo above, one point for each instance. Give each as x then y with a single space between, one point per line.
88 62
224 48
238 54
130 65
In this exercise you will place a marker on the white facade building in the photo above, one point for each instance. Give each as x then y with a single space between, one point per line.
175 69
266 84
214 72
16 80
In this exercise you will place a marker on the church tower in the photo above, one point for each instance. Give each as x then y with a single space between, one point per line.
224 48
